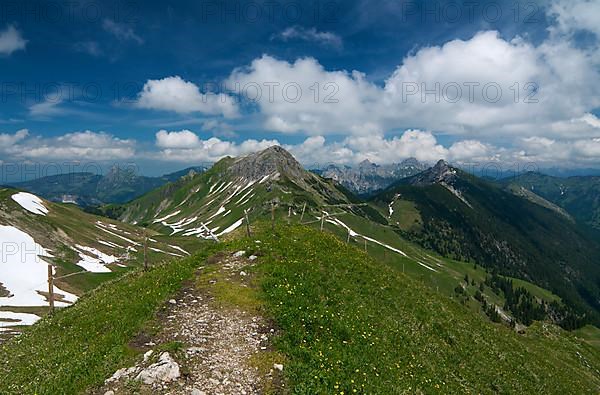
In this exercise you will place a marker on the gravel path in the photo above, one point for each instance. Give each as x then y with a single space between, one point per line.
216 345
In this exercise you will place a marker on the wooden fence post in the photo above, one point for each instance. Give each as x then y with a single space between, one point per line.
272 215
303 209
50 288
145 250
247 223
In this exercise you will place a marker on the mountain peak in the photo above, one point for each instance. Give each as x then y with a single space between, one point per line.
274 159
366 163
442 172
411 162
441 165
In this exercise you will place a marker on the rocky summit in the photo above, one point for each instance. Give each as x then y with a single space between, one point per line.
442 172
369 177
270 161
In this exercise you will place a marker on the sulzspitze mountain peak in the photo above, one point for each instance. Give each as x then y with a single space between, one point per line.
267 162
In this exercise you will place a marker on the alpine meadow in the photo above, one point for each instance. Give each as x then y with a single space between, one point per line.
343 197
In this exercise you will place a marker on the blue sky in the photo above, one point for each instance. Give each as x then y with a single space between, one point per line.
154 83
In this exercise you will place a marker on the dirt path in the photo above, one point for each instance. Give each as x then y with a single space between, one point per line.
211 348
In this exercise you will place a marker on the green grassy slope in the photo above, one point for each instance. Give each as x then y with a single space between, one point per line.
218 197
348 323
65 226
505 232
82 345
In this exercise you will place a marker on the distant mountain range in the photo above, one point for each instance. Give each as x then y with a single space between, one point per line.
369 177
89 189
525 227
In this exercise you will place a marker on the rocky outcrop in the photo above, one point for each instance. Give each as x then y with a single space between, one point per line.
368 177
441 173
163 371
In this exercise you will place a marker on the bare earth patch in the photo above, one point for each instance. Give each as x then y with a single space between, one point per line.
212 347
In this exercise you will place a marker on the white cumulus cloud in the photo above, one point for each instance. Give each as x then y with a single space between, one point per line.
187 146
479 87
182 139
184 97
84 145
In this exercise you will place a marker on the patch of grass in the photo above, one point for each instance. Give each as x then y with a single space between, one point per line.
133 386
264 361
590 334
170 347
230 292
352 324
406 215
80 346
536 291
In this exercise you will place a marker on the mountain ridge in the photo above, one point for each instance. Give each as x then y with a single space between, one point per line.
89 189
577 195
474 220
368 177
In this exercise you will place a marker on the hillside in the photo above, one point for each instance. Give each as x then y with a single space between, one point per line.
212 204
89 189
472 220
579 196
84 250
345 322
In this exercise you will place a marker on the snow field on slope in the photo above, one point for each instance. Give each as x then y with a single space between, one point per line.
23 271
30 202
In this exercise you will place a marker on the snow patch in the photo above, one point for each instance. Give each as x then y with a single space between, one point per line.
23 272
232 227
9 318
108 259
94 264
166 217
179 249
91 264
30 202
